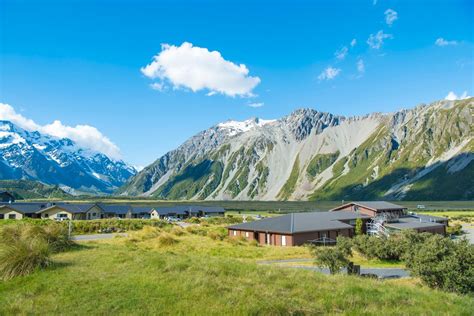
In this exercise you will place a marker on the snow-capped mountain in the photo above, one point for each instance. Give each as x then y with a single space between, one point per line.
35 156
423 153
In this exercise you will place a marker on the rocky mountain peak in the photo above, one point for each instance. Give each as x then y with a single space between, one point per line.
303 122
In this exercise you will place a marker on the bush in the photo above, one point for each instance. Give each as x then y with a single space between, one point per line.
332 258
345 245
456 229
379 247
443 263
22 255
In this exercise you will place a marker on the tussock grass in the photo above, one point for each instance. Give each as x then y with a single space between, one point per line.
166 239
146 233
23 256
177 231
26 247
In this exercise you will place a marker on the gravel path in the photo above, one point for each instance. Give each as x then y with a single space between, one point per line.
97 236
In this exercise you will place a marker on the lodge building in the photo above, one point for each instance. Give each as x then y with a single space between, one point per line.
378 218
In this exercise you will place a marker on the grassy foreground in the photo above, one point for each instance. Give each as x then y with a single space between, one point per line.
184 273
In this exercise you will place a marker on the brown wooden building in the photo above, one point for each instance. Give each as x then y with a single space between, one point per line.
298 228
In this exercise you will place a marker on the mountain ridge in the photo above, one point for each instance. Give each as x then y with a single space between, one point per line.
30 155
310 154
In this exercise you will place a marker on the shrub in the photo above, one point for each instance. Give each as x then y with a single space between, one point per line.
456 229
23 256
443 263
345 245
358 226
332 258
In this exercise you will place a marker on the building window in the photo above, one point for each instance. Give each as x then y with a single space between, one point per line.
283 240
247 234
94 214
235 233
11 216
267 239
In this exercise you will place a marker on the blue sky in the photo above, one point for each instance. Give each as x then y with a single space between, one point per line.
80 62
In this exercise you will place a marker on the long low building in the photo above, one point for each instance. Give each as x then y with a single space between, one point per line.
298 228
378 218
90 211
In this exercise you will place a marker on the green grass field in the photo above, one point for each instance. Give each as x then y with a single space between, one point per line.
196 274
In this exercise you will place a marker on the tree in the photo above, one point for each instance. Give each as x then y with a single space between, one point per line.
332 258
358 226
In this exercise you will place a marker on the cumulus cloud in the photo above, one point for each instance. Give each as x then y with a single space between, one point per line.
353 42
341 53
390 16
197 68
375 41
329 73
453 96
360 66
85 136
442 42
256 104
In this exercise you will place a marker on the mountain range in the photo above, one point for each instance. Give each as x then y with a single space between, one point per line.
31 155
424 153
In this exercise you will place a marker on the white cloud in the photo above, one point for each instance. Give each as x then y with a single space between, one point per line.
85 136
390 16
341 53
453 96
442 42
158 86
329 73
197 68
375 41
360 66
353 42
256 104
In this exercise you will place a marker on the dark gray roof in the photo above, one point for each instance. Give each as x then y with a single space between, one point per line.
410 222
412 225
375 205
185 209
142 209
71 208
115 208
301 222
24 207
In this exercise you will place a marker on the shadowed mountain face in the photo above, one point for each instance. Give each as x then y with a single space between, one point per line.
422 153
34 156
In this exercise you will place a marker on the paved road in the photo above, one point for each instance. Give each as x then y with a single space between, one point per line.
381 273
97 236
